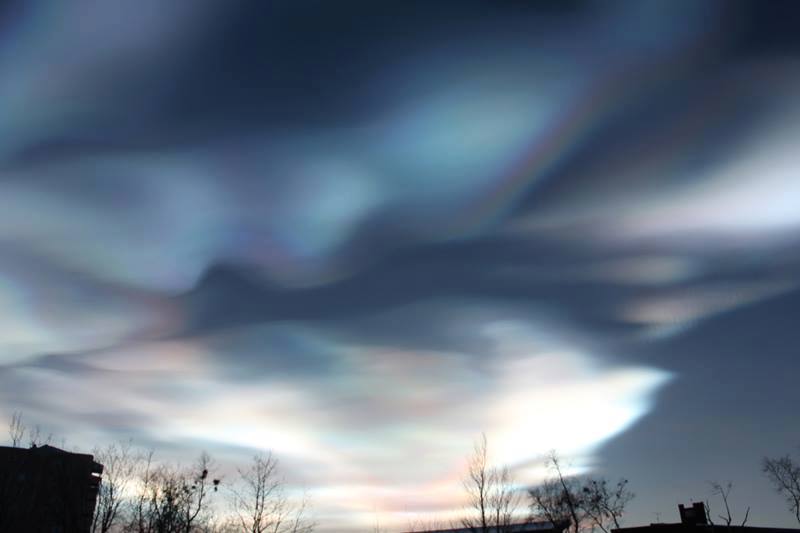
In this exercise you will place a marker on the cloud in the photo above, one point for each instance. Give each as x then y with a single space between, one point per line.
361 235
687 189
49 309
679 309
358 418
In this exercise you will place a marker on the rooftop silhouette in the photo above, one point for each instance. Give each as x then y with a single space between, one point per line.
46 488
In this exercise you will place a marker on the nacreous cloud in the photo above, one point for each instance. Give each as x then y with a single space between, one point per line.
365 415
359 238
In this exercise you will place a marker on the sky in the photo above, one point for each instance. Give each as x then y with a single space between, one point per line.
359 234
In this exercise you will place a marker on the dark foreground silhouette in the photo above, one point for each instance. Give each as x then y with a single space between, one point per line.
44 488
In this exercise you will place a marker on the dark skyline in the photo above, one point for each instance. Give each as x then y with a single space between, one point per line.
361 233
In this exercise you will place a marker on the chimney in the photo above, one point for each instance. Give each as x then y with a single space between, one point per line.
694 515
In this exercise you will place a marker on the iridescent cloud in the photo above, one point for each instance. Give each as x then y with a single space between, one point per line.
359 424
361 236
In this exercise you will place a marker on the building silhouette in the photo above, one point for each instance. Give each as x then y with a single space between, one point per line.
694 519
47 490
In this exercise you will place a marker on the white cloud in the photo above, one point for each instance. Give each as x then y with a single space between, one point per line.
384 428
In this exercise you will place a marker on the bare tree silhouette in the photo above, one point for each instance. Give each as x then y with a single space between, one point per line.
172 500
494 502
604 504
140 495
784 473
558 498
582 502
121 464
16 429
37 438
262 504
724 491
